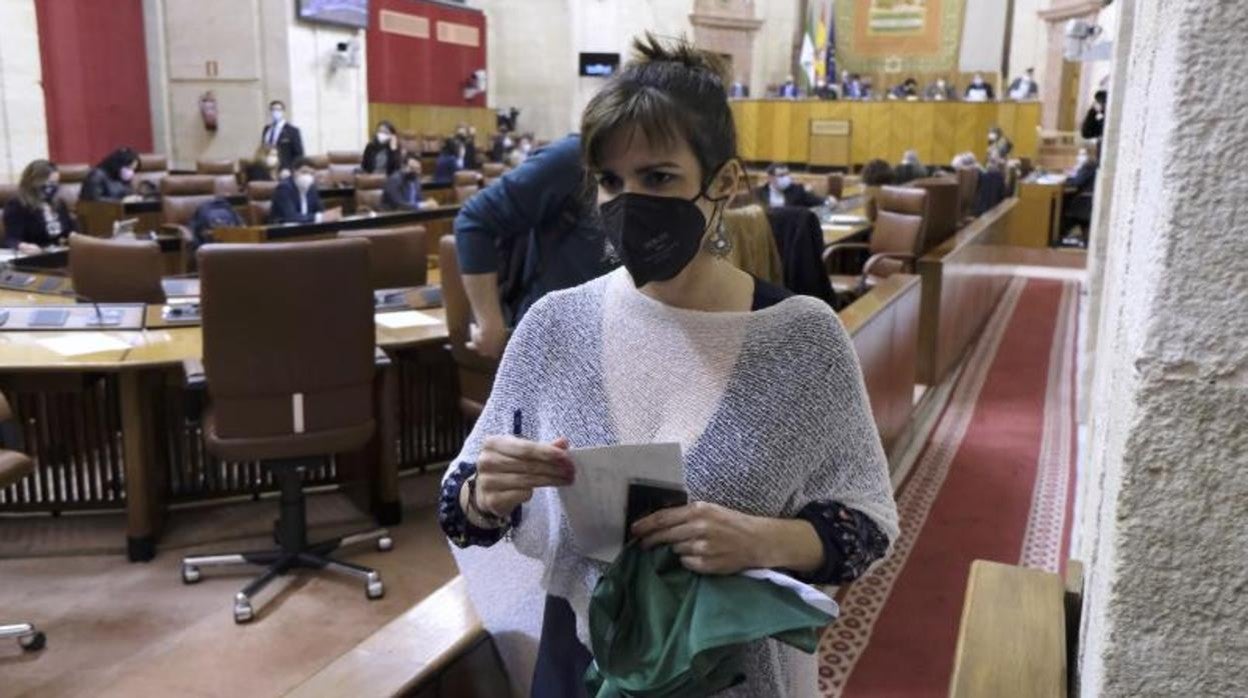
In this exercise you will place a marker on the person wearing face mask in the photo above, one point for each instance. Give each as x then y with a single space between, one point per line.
677 346
781 190
263 167
467 135
999 146
295 200
503 144
113 178
789 89
978 90
1077 197
382 154
1024 87
282 136
940 91
402 189
36 218
520 153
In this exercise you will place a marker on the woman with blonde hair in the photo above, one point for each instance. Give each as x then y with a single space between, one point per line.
36 217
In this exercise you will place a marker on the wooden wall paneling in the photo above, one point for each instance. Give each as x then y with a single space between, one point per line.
966 129
901 130
745 116
799 132
1026 135
923 130
879 121
434 119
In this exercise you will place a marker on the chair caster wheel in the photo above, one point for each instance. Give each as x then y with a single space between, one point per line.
33 642
190 574
376 590
385 543
243 613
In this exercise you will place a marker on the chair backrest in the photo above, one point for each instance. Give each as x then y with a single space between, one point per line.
71 182
465 192
320 163
968 183
941 216
342 166
261 191
258 211
397 256
476 372
344 157
152 168
368 191
465 177
493 169
180 195
898 225
115 271
216 167
267 313
836 184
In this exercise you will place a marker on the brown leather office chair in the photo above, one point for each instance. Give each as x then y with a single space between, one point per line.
941 216
7 191
968 184
836 184
466 183
895 241
152 168
397 256
368 190
279 393
493 169
320 163
110 270
72 177
13 467
224 174
180 195
475 372
259 200
343 165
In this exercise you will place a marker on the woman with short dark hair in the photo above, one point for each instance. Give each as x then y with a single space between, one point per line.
761 389
112 179
36 218
382 155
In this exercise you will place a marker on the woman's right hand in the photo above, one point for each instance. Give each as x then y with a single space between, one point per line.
509 468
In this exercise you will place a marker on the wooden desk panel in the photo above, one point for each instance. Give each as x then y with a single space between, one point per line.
779 129
1036 220
436 221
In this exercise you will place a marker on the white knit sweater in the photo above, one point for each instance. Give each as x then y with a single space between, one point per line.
769 407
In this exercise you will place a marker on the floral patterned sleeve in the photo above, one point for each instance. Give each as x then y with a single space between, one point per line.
454 521
851 542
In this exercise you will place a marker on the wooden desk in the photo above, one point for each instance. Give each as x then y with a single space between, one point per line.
97 217
779 130
1012 638
437 222
1036 220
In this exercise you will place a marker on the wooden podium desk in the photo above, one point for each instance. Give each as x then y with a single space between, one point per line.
103 412
1037 218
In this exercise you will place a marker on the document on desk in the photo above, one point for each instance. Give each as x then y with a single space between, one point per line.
80 343
406 318
596 504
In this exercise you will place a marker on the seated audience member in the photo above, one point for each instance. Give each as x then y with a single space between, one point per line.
875 174
382 155
781 190
738 89
789 89
940 91
502 145
282 136
112 179
402 190
526 235
1024 87
1093 126
998 145
521 152
262 167
853 88
295 200
906 90
990 188
210 215
36 218
964 160
823 90
1077 199
978 90
910 168
868 88
450 161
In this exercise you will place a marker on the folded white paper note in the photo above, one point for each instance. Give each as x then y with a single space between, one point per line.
596 505
809 594
79 343
405 319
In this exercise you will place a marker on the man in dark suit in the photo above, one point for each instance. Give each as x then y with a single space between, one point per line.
978 90
1024 87
781 190
789 89
402 190
295 199
282 137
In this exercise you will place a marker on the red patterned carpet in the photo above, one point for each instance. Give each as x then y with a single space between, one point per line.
994 482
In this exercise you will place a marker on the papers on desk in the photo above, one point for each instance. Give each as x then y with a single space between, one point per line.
597 503
841 219
405 319
1051 179
80 343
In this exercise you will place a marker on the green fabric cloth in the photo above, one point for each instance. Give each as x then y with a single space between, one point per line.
656 629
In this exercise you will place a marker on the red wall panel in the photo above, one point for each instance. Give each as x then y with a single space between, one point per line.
404 69
94 77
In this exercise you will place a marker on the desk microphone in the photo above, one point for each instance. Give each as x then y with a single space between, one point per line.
100 320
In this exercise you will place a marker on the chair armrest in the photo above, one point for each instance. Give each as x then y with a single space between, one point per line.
180 230
830 252
380 358
901 256
193 372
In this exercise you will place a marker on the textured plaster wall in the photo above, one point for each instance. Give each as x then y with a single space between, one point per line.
1164 520
23 126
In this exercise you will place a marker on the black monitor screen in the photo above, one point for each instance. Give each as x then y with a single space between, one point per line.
350 13
599 65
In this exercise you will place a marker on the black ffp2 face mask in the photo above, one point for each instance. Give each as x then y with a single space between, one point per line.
655 236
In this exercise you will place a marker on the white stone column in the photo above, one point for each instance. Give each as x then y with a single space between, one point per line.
23 126
1165 518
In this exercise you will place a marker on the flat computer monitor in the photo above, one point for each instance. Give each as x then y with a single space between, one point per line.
599 65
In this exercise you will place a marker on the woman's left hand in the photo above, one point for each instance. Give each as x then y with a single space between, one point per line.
709 538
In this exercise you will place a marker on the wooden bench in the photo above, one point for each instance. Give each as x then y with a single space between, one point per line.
1016 632
437 648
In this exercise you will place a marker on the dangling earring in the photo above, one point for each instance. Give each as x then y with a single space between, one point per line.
718 244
